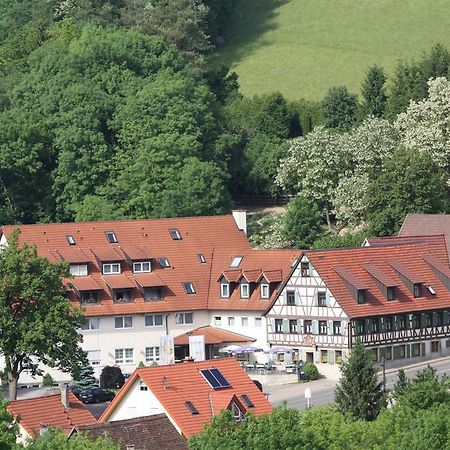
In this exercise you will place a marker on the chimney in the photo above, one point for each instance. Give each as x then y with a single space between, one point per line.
43 427
240 217
65 396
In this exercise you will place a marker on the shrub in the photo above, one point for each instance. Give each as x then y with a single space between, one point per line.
111 378
48 380
311 371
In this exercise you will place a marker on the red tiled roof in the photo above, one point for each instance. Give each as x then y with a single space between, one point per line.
50 411
212 336
184 382
426 225
252 276
411 258
200 235
272 276
73 255
217 238
148 280
276 262
118 282
136 252
85 284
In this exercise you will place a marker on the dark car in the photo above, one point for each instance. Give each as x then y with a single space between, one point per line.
96 395
76 390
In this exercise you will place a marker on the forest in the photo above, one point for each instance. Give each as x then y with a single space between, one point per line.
112 109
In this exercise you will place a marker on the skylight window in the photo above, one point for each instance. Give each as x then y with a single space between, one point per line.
189 287
175 234
164 262
236 261
112 239
215 378
70 239
431 290
190 406
201 258
247 402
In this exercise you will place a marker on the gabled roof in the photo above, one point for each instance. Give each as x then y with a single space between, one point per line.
184 382
276 264
137 238
425 225
212 336
395 262
50 411
145 433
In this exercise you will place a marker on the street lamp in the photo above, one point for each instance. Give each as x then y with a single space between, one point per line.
308 397
383 365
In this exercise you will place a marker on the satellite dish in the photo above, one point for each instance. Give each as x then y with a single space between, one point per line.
308 393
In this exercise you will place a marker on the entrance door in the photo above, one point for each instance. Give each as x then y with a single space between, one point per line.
310 357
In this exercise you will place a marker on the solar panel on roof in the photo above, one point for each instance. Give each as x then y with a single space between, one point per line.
220 378
215 378
210 378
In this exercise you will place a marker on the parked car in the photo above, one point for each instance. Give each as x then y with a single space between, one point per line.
96 395
76 390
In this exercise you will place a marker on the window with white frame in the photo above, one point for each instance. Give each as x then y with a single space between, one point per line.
142 267
245 290
78 270
123 322
92 323
265 292
111 237
218 321
238 415
124 355
231 321
188 287
93 357
111 268
258 322
154 320
236 261
244 321
89 297
151 355
185 318
224 289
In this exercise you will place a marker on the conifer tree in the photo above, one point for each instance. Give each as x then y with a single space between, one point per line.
373 92
359 392
401 385
85 377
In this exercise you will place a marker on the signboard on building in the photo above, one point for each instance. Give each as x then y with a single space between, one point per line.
166 350
197 347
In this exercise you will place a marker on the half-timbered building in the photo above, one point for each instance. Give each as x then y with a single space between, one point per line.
393 295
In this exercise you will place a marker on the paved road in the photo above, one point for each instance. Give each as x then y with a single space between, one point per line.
323 390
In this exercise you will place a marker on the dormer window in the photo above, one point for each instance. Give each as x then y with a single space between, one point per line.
189 287
304 268
111 268
78 270
175 234
417 290
361 296
237 413
142 267
111 237
70 239
265 292
245 290
224 289
236 261
391 293
163 262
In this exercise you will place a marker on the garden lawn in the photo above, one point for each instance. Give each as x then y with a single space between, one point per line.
302 47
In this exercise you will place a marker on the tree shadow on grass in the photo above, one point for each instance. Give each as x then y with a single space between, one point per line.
251 19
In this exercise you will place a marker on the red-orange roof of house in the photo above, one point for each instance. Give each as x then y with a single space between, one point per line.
216 238
51 412
396 262
184 382
212 336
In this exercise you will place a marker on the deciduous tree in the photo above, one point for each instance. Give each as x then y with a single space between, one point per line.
339 108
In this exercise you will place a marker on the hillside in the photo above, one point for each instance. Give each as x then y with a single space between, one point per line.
302 47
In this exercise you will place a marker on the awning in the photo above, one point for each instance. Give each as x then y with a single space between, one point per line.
72 255
118 282
107 254
146 280
212 336
136 252
85 284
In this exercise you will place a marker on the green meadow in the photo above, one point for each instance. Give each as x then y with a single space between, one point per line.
303 47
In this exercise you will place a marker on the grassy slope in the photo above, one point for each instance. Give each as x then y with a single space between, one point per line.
302 47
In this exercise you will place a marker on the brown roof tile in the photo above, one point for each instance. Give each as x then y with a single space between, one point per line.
87 283
118 282
148 280
212 336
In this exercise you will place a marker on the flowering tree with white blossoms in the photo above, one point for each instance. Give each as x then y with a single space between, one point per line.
425 125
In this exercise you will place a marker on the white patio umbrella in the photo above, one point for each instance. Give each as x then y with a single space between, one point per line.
248 349
281 349
229 349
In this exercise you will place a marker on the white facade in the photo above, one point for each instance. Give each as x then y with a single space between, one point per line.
307 317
